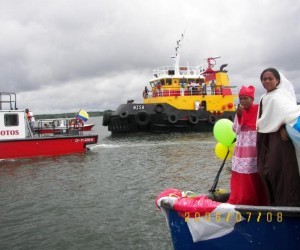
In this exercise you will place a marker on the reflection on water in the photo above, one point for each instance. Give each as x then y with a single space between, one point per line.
103 199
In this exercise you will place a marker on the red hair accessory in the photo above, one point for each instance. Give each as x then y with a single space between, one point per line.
247 91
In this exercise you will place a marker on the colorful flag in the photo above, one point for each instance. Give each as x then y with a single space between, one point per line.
82 115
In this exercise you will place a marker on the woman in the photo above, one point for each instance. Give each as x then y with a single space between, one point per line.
277 161
246 186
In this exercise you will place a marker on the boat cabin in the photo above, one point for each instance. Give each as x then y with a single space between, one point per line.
13 122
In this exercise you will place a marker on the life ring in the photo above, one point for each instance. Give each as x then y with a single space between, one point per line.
212 119
159 108
124 114
172 118
193 119
142 118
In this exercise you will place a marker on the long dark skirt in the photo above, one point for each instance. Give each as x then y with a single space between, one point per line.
278 168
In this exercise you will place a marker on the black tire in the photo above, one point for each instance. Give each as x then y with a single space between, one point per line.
172 118
230 117
142 118
193 119
159 108
212 119
124 114
106 118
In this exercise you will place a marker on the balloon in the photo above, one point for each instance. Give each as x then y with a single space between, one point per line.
221 151
223 132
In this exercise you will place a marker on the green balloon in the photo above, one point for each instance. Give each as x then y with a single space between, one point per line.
223 132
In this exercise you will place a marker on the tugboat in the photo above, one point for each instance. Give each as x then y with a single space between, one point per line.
18 139
181 99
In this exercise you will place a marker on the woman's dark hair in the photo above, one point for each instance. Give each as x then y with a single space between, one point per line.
274 71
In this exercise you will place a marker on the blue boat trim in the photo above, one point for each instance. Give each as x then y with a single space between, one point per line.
256 227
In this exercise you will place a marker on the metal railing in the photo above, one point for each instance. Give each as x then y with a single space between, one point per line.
59 126
171 91
183 70
8 98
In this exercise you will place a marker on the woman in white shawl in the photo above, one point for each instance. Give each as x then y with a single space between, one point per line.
277 160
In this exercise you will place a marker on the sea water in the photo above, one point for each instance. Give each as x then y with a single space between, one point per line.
105 198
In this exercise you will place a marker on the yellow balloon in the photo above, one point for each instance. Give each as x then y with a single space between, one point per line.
222 150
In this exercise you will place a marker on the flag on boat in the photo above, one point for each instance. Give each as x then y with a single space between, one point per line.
82 115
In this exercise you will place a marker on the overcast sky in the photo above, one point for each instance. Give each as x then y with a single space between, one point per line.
63 55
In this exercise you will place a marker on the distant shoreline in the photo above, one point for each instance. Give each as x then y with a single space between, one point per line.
67 115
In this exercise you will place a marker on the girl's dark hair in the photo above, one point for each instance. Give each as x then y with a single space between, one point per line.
274 71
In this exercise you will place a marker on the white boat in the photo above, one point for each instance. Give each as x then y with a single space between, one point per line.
61 125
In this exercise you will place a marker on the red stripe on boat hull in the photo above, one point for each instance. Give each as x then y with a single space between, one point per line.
25 148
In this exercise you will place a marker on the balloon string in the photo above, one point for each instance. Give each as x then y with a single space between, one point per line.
214 186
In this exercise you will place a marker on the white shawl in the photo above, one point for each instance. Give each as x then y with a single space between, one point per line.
278 107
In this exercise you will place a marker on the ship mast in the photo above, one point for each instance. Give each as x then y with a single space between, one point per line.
177 55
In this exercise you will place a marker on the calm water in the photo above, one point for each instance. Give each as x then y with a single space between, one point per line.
103 199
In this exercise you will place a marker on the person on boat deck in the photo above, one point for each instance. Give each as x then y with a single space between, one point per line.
158 87
182 86
30 118
277 158
194 88
213 87
246 185
146 91
203 88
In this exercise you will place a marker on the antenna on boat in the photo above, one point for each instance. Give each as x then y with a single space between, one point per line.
177 54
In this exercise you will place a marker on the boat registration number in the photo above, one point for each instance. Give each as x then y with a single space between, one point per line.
85 140
138 107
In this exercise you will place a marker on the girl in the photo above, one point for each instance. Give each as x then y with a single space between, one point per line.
246 186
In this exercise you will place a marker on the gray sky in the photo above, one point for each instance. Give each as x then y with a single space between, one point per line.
63 55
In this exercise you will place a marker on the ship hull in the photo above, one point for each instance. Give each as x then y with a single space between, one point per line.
263 230
207 222
33 147
160 118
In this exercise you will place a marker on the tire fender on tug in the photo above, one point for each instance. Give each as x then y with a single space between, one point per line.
124 114
106 118
159 108
142 118
212 119
172 118
230 117
193 119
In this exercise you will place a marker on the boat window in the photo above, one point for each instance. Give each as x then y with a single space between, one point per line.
11 120
169 81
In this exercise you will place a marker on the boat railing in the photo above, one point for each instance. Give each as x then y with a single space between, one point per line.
8 99
59 127
183 70
175 91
